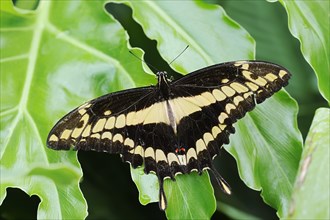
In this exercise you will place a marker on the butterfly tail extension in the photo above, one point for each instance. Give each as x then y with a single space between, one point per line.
224 186
162 197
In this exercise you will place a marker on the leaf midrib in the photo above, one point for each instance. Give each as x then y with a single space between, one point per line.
32 55
41 17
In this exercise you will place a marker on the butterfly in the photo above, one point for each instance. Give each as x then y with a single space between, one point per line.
174 127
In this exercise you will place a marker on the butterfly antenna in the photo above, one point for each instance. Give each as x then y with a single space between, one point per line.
179 54
143 61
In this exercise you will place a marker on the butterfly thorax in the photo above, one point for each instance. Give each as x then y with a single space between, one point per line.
163 85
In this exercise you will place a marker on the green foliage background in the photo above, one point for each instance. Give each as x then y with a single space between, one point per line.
56 55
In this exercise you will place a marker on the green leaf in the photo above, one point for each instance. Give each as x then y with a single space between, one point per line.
52 60
147 185
183 191
311 194
235 213
268 156
260 135
309 23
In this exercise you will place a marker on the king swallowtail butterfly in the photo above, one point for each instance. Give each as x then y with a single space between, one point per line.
175 127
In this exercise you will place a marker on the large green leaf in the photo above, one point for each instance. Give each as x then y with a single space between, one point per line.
261 147
62 61
309 22
52 60
268 156
311 194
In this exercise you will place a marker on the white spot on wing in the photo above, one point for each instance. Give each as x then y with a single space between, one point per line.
99 125
259 80
229 107
118 137
239 87
107 112
77 131
215 131
228 91
129 142
171 157
237 100
120 121
222 117
110 123
207 138
271 77
252 86
282 73
191 154
106 135
66 134
53 137
200 146
87 131
138 150
149 152
160 156
220 96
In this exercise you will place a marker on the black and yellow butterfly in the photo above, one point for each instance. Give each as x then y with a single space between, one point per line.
174 127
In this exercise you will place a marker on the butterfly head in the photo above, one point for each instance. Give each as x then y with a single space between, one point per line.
163 85
162 77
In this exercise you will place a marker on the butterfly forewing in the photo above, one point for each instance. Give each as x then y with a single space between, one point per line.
177 133
93 124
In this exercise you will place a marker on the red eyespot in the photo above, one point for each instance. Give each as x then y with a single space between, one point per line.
181 150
